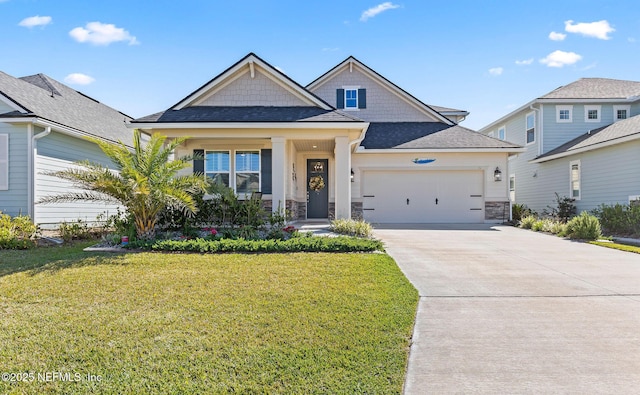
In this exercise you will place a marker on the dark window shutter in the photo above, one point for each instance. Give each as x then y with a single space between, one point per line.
362 98
198 161
339 98
265 170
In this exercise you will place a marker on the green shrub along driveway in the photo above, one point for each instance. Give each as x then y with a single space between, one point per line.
175 323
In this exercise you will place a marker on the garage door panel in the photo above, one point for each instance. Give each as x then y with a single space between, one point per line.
423 196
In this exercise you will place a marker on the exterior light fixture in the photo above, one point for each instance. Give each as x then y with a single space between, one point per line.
352 175
497 175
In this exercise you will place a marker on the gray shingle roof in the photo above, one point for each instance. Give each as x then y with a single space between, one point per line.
49 99
596 88
428 135
248 114
594 138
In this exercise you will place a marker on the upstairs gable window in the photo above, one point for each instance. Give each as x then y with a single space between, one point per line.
502 134
351 98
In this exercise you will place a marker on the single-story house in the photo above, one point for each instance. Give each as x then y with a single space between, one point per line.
43 125
349 144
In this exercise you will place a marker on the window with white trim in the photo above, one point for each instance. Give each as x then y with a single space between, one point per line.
512 187
4 162
592 113
574 177
621 112
502 133
217 167
530 128
350 98
247 171
564 114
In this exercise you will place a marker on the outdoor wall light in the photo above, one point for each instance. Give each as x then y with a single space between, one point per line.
352 175
497 175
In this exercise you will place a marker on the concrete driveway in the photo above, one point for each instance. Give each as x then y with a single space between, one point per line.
509 311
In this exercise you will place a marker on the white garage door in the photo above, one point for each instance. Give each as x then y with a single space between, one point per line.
423 196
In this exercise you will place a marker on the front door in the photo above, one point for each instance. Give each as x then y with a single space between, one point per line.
317 188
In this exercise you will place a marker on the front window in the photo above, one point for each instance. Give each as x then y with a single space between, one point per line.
351 98
216 167
4 161
592 113
502 134
575 179
531 128
247 171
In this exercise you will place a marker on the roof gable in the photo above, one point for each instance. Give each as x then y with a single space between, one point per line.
352 63
252 82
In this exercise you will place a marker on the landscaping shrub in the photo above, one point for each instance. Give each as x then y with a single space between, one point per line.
584 227
519 211
296 244
17 233
78 230
564 210
553 226
538 225
351 227
527 222
619 219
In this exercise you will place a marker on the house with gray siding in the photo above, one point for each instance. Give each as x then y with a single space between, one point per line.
43 127
582 141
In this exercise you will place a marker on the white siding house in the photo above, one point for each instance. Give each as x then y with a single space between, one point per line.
43 125
584 145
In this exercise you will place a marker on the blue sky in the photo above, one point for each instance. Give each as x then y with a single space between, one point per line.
486 57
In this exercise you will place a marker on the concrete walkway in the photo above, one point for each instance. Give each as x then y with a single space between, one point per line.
510 311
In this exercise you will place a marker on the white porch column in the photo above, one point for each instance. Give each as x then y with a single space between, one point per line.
343 178
278 169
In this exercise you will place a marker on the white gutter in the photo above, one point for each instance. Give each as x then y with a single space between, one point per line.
438 150
32 166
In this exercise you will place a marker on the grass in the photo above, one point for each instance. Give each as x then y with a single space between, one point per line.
171 323
617 246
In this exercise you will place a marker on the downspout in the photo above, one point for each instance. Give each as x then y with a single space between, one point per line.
32 164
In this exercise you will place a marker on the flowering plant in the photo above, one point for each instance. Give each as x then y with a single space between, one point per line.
289 229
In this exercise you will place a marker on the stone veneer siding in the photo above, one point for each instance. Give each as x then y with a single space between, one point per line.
496 211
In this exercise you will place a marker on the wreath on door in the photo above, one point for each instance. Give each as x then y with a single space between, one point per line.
316 183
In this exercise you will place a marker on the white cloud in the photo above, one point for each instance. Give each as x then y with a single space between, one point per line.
560 59
33 21
599 29
555 36
496 71
631 40
373 11
525 62
78 79
99 33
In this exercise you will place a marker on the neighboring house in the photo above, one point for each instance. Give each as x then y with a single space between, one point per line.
43 125
350 144
582 141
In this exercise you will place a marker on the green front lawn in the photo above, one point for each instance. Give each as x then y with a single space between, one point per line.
173 323
617 246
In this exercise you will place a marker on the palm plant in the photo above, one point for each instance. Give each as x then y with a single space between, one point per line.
145 182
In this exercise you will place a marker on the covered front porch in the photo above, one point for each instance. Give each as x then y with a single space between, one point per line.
306 172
